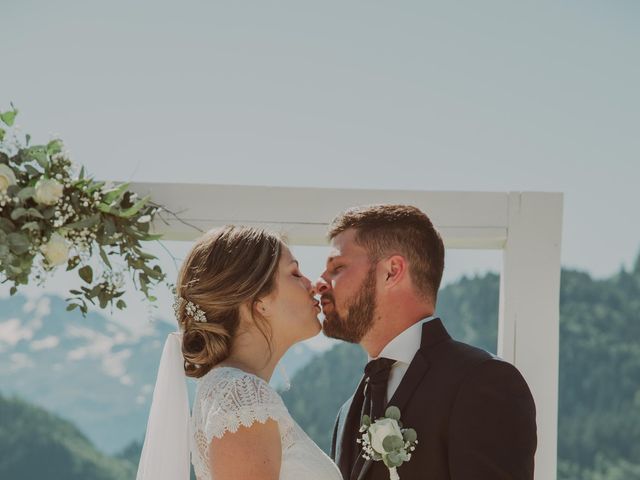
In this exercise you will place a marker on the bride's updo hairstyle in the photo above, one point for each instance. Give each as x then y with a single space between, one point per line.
226 268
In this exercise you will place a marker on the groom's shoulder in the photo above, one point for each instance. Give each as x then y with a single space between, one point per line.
462 356
469 352
466 361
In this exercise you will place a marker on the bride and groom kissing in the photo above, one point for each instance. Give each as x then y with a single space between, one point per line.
427 406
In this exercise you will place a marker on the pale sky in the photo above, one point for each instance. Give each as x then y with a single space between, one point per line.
450 95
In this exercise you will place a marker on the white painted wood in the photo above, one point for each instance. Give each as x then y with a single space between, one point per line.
465 219
526 225
529 310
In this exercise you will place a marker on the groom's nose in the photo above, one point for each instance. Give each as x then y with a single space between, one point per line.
322 286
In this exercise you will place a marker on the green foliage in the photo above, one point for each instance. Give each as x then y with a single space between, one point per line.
320 388
392 412
49 216
36 444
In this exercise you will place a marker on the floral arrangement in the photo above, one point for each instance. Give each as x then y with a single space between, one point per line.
386 440
52 215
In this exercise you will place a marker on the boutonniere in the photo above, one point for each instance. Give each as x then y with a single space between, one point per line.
385 439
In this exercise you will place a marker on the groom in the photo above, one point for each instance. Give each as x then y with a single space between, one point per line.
473 412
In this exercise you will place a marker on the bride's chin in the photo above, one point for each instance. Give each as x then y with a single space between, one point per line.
317 328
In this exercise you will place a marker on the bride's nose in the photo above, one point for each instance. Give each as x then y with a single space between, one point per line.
309 286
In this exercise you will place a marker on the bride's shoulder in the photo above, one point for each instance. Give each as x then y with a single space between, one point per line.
228 397
230 384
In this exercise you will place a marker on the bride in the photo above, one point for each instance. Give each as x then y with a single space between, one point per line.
241 303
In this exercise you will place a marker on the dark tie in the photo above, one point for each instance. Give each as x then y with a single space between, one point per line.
377 374
376 377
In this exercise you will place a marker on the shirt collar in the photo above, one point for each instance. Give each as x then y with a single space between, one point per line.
404 346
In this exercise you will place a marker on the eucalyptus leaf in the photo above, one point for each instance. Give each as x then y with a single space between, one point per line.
48 213
108 209
15 270
34 212
393 460
104 257
26 192
104 300
85 222
391 443
37 153
9 117
30 226
410 435
2 134
86 274
139 205
18 213
115 194
7 225
32 171
109 227
54 146
392 412
18 242
146 256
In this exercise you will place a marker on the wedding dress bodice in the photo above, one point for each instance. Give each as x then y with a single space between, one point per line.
227 398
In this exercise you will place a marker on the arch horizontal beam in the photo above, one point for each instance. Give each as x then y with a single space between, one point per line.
476 220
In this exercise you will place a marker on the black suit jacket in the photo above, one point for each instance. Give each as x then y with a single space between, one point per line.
473 412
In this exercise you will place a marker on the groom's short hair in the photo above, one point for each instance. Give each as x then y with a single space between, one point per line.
403 229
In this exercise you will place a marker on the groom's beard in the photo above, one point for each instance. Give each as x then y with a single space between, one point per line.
360 313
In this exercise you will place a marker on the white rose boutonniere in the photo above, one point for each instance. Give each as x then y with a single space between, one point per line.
48 191
386 440
7 178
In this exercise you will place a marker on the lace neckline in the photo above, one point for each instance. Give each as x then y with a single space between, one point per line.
224 367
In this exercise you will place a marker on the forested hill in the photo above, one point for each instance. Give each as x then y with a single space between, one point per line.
599 411
36 444
599 424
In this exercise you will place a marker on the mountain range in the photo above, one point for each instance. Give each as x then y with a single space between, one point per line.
85 374
90 370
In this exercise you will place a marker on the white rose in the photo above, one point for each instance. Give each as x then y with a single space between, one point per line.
48 191
56 251
7 177
382 429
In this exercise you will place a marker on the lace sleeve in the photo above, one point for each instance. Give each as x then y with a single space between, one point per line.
236 399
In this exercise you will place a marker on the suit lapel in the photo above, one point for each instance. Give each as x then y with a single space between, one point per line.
347 427
433 332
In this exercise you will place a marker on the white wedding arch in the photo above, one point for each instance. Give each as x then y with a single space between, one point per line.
527 226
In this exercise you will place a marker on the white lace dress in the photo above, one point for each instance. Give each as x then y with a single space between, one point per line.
227 398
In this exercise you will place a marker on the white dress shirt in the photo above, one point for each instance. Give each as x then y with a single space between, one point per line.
402 349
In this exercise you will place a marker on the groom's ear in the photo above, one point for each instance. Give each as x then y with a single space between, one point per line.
395 269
